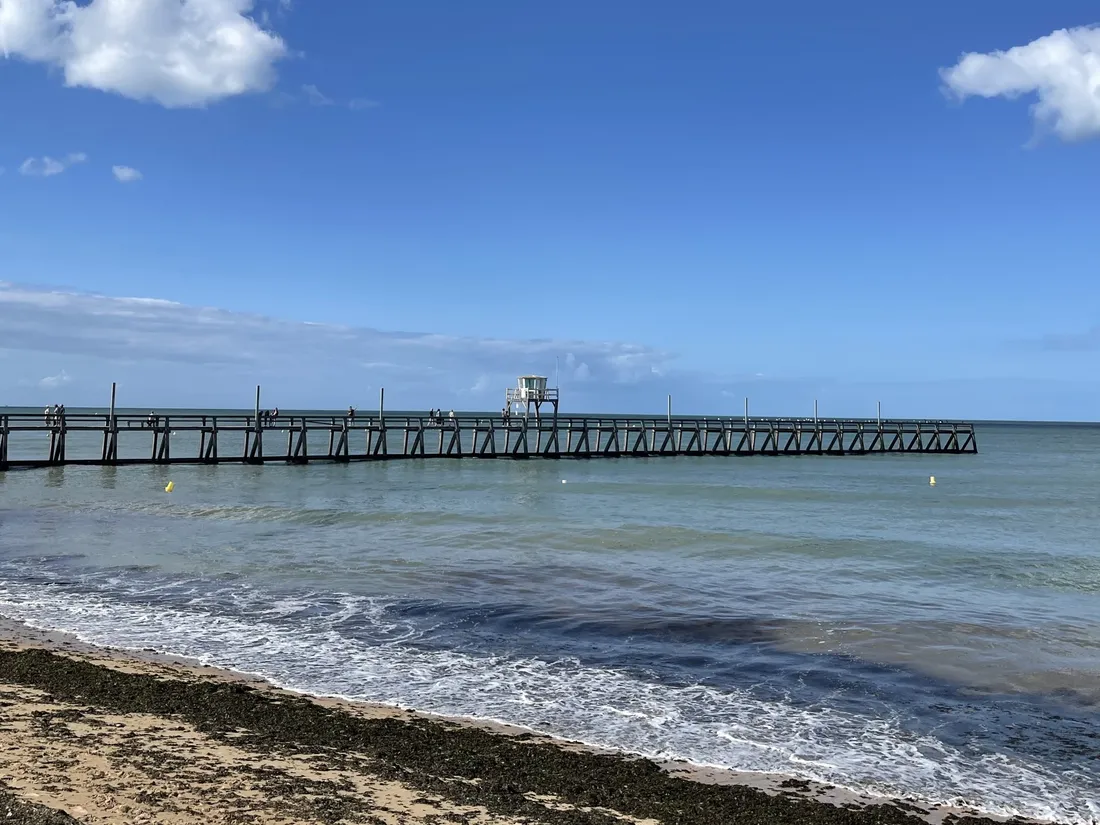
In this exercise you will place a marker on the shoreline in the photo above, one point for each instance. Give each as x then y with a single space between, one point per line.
112 720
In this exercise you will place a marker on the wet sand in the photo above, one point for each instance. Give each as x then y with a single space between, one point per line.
100 736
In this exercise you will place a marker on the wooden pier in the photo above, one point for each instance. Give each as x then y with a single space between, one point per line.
36 440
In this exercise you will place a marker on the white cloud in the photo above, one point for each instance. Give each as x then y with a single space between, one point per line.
274 8
165 354
126 174
315 96
113 338
51 382
173 52
1061 68
47 167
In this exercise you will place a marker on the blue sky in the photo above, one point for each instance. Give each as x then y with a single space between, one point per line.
785 202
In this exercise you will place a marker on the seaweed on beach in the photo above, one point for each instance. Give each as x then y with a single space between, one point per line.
470 766
20 812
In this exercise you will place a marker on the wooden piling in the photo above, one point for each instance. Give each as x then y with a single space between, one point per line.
110 431
254 449
3 442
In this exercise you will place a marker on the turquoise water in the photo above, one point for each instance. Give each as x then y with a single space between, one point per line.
833 618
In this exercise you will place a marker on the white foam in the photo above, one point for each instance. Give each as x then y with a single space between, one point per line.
599 706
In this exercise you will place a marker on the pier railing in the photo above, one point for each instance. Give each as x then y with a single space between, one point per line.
38 440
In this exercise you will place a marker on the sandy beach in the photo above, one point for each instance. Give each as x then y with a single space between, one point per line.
100 736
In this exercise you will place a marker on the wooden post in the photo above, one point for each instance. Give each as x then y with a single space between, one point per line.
110 436
670 412
880 415
815 412
57 441
746 412
212 445
257 453
166 441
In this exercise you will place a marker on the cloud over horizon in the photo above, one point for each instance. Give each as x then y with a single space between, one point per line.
1061 68
177 53
51 382
157 335
67 347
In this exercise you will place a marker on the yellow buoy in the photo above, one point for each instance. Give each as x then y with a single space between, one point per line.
171 486
932 480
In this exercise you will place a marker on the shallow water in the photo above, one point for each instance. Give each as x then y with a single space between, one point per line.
833 618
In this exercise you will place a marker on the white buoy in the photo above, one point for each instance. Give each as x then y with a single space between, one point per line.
932 481
563 481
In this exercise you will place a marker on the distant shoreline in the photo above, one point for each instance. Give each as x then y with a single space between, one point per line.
203 742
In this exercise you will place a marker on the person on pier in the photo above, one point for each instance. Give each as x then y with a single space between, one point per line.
54 415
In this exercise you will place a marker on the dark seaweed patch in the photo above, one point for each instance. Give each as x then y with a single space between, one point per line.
427 755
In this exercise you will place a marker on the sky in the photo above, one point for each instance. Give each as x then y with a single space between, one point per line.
850 203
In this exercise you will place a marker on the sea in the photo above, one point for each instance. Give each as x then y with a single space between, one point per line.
837 619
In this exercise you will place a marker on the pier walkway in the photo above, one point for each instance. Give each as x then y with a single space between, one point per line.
30 440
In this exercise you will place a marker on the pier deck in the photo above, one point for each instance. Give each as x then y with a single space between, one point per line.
29 440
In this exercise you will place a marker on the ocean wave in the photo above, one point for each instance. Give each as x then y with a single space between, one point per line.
297 642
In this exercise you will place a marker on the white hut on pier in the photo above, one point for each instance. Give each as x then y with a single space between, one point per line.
531 391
